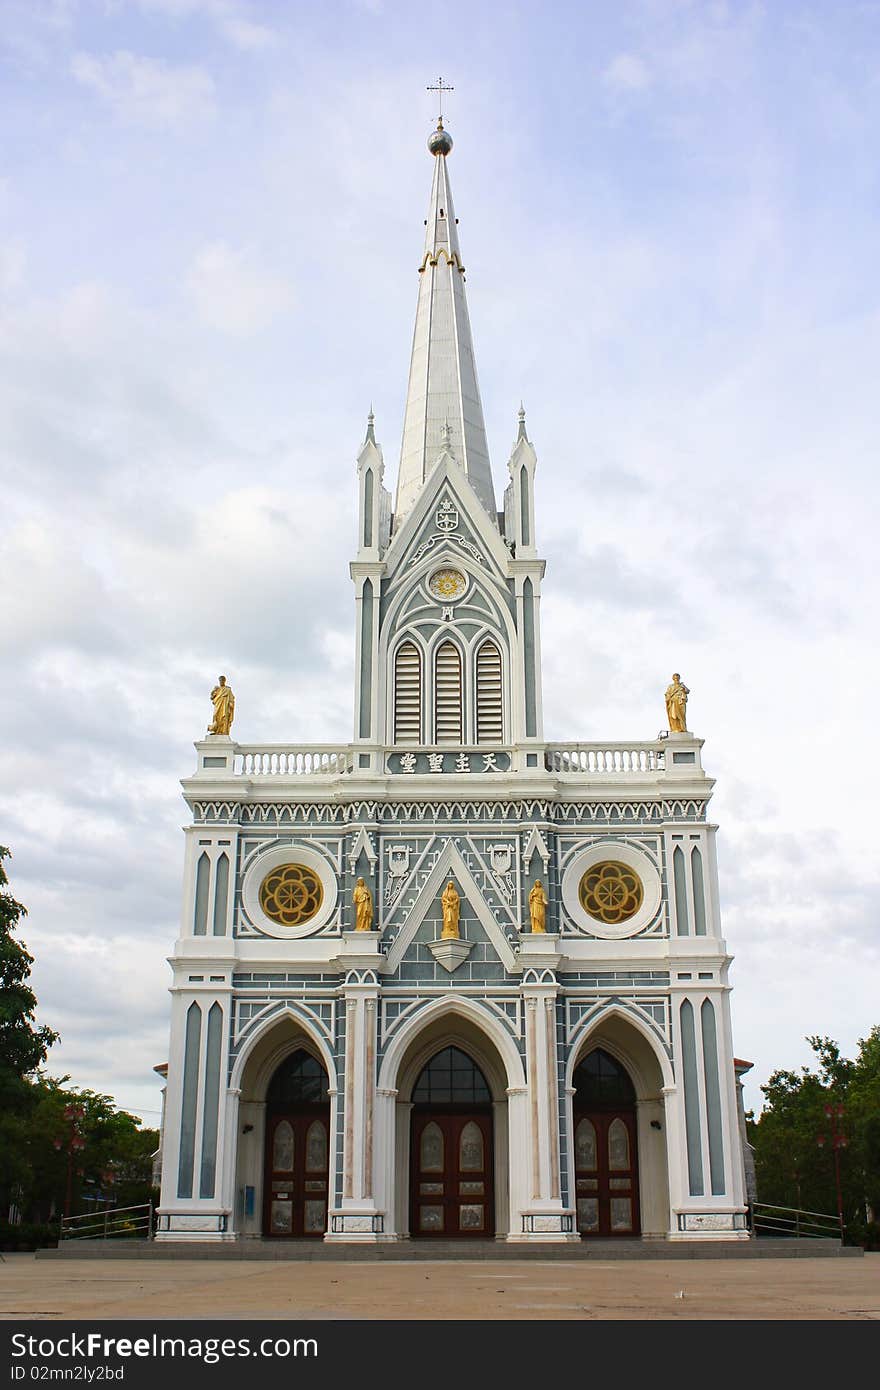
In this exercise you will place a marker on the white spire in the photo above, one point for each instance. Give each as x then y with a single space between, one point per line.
443 407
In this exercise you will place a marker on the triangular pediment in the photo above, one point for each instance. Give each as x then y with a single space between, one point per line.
451 864
448 511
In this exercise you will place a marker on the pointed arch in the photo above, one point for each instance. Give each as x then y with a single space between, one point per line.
368 508
497 1036
681 909
699 891
221 895
594 1032
190 1099
528 648
366 664
524 505
295 1030
200 913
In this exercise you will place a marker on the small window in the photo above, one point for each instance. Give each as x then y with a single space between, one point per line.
601 1082
447 694
299 1080
451 1078
489 702
408 694
282 1148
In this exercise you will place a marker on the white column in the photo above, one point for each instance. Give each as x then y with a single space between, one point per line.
358 1218
542 1216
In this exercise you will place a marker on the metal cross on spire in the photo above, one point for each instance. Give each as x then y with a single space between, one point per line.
441 88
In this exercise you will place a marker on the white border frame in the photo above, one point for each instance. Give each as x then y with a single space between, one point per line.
296 853
439 598
623 854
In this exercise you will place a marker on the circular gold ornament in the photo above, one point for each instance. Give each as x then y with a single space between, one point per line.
447 584
611 892
291 894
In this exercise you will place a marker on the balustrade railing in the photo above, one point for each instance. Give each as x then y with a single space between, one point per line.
334 760
310 760
605 758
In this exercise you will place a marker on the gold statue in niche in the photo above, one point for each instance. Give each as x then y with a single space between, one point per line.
538 907
676 705
451 903
223 701
363 906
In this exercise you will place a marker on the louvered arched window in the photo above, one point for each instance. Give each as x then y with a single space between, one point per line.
489 714
408 694
447 694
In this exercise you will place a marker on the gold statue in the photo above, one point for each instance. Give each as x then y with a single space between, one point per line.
363 906
676 705
538 907
451 909
223 701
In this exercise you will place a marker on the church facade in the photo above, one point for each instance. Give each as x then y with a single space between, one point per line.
450 980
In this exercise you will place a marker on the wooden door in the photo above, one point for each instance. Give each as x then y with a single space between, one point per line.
606 1173
297 1158
451 1166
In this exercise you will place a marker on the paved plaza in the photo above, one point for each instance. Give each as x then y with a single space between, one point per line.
803 1289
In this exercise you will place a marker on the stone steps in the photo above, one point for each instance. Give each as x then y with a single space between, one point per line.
463 1250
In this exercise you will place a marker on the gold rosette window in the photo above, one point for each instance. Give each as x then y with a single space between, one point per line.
291 894
611 892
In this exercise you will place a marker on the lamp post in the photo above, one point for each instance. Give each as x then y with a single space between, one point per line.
73 1143
834 1114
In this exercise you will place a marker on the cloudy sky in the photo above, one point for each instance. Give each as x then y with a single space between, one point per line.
210 224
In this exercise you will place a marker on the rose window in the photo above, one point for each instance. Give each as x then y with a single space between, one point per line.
611 892
447 584
291 894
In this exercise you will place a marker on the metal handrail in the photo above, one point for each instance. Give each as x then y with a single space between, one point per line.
795 1221
115 1221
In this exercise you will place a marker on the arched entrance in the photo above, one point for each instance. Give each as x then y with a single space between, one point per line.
605 1147
451 1149
295 1186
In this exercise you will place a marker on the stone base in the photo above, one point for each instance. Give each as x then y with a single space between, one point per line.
710 1225
548 1227
450 953
357 1228
359 950
199 1237
703 1237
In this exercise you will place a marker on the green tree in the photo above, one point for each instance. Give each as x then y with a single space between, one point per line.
23 1045
114 1161
792 1169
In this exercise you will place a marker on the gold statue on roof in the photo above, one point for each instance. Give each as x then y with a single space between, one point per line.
223 701
676 705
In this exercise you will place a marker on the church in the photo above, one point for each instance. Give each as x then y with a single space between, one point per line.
449 980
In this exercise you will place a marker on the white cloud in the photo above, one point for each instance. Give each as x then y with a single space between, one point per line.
232 20
13 259
232 293
627 72
145 90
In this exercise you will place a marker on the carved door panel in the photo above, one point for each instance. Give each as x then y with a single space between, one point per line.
606 1174
297 1158
451 1165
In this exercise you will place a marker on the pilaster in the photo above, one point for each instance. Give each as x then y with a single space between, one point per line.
543 1215
357 1217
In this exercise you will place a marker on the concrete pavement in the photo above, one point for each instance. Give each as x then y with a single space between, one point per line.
802 1289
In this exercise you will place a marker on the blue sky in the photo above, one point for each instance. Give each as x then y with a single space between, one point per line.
210 224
